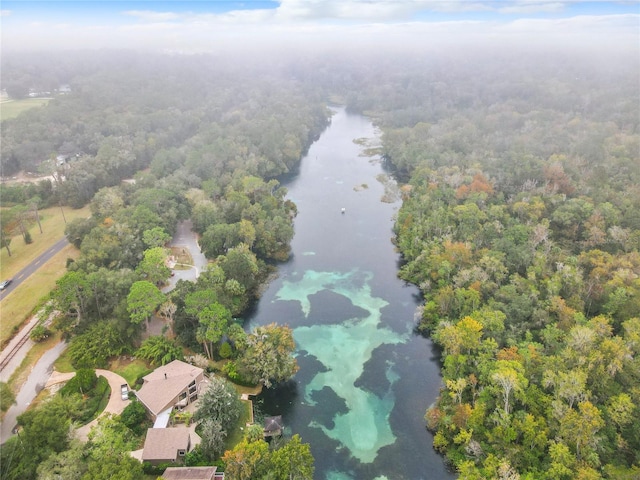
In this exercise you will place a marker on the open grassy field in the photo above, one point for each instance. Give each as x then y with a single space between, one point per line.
13 108
53 230
17 306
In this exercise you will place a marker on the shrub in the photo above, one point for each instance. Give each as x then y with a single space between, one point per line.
39 333
134 416
84 382
6 397
225 350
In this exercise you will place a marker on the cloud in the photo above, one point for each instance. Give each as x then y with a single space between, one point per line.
296 11
585 24
530 7
343 23
5 13
151 16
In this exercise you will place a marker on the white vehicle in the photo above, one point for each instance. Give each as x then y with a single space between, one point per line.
124 389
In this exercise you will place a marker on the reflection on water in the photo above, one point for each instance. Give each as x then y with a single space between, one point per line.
365 379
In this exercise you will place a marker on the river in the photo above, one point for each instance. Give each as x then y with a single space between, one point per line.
365 377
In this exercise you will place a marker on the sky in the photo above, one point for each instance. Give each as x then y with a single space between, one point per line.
194 26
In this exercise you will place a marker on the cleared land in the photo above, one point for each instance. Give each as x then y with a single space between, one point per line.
13 108
20 303
17 306
53 230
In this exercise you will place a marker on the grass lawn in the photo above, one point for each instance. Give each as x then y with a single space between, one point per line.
53 230
18 306
63 363
236 435
130 370
13 108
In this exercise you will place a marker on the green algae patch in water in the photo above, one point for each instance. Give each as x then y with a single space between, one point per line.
344 349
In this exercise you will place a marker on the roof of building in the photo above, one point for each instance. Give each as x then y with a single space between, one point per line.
273 424
189 473
164 443
163 418
165 383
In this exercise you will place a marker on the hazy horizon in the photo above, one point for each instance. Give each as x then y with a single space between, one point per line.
203 26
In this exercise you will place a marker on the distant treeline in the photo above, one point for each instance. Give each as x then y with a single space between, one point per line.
520 221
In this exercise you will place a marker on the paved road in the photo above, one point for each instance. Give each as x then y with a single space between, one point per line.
37 379
23 274
43 371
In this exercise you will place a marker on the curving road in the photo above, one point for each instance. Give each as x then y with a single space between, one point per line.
23 274
38 377
185 237
115 406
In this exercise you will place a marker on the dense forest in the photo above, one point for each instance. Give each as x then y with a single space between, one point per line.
520 224
193 140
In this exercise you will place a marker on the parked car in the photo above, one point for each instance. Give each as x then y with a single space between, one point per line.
124 390
5 284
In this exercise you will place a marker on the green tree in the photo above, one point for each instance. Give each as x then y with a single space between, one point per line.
159 350
39 333
121 466
579 428
153 266
83 381
563 462
5 240
220 403
293 461
107 202
93 348
269 354
155 237
214 320
71 294
110 438
213 439
247 460
134 416
45 432
69 464
509 377
143 299
78 228
240 264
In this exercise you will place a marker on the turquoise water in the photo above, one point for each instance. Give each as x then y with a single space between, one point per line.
365 378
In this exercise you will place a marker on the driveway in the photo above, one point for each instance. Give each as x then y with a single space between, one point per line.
115 406
187 238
